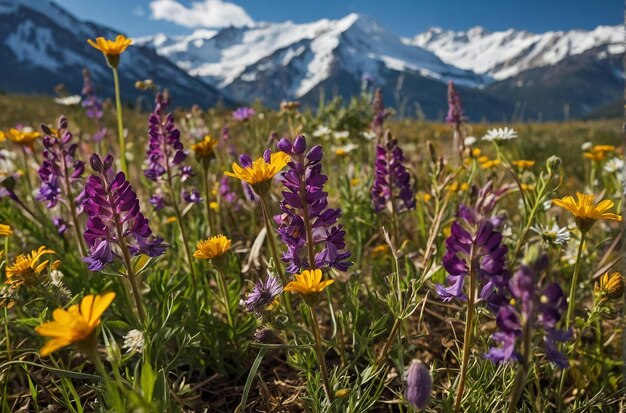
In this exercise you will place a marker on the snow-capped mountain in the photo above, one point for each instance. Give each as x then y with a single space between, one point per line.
42 45
504 54
310 52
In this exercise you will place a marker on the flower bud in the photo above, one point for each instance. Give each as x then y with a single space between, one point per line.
419 384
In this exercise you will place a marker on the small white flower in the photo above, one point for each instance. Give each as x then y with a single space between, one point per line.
368 135
586 146
614 165
469 141
133 342
553 235
500 134
56 278
261 116
68 100
322 130
346 148
344 134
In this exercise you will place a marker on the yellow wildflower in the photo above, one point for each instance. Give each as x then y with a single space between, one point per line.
308 282
523 163
214 206
380 249
112 49
595 156
608 286
27 265
212 248
603 148
586 211
490 164
483 159
5 230
341 152
204 148
24 137
74 325
170 220
355 181
259 173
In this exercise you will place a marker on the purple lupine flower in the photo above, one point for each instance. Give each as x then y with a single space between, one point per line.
530 308
61 225
59 167
113 213
455 108
263 294
474 240
242 114
165 150
92 106
304 196
157 201
380 114
419 384
192 197
392 182
226 194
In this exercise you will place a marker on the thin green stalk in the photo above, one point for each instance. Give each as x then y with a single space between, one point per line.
467 336
120 124
320 355
522 370
222 286
270 238
207 199
572 289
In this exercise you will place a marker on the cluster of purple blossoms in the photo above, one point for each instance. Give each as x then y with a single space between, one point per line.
263 294
475 244
305 199
455 108
60 169
242 114
380 114
92 105
392 182
226 194
165 150
530 308
114 219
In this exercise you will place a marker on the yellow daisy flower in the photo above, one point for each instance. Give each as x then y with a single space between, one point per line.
23 137
608 286
74 325
212 248
260 172
26 266
5 230
490 164
112 49
204 148
586 211
308 282
523 163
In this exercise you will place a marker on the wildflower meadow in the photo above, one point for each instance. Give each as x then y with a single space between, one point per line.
342 259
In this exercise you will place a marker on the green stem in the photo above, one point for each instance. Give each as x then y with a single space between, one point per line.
572 289
120 124
270 238
522 370
320 355
467 336
222 286
207 193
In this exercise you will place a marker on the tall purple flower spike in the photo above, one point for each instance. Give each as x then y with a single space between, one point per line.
165 150
392 182
455 107
243 113
59 162
92 105
114 217
542 308
474 237
304 191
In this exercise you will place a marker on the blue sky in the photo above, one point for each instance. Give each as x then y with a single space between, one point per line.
405 17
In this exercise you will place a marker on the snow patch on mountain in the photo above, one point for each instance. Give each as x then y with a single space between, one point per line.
506 53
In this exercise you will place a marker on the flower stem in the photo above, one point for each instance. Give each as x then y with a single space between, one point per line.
320 355
120 124
467 336
522 370
572 289
72 205
207 199
270 238
222 286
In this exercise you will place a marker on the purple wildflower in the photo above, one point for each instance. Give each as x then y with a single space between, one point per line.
192 197
226 194
455 108
92 106
242 114
475 241
157 201
419 384
61 225
304 198
530 308
263 294
165 150
393 182
59 169
380 114
113 213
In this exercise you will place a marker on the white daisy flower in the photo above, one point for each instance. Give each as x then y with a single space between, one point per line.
469 141
553 235
133 342
500 134
368 135
614 165
586 146
344 134
322 130
68 100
